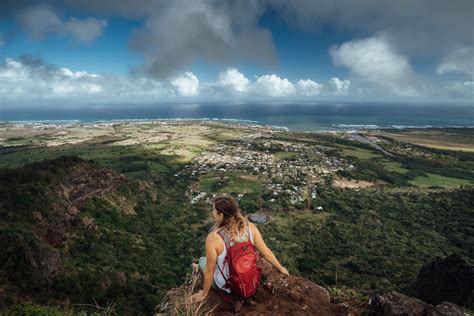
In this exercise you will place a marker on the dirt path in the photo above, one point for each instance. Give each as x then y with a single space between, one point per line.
351 184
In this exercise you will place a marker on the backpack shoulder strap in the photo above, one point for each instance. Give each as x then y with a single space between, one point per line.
225 236
249 232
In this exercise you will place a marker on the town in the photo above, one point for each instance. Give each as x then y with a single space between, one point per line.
288 170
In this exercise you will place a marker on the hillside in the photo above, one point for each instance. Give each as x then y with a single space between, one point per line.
77 233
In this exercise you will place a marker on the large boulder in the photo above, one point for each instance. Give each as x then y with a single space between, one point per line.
394 303
446 279
397 304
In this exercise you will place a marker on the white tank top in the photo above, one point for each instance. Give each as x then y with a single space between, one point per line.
224 267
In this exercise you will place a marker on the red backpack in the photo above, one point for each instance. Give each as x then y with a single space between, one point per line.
244 275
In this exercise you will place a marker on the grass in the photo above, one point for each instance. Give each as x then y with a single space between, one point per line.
132 159
232 182
223 135
358 152
179 301
448 140
180 143
393 166
451 147
437 180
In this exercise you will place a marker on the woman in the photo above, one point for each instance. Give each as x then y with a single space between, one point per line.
228 218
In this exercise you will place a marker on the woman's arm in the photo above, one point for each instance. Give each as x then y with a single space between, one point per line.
265 252
211 258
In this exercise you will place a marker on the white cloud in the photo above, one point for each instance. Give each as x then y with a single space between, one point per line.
233 79
378 62
308 87
75 74
31 79
40 20
340 86
463 89
271 85
186 85
274 86
460 61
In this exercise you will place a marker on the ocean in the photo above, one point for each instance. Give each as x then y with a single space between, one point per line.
293 116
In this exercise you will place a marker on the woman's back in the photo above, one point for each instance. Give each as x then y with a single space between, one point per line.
222 268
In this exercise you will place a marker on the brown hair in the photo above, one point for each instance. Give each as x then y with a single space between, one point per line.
234 222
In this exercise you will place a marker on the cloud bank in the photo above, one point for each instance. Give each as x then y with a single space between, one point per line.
29 78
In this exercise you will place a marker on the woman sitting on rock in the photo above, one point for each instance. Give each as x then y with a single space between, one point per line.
230 228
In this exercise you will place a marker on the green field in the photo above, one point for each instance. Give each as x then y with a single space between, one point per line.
230 182
437 180
393 166
457 139
359 152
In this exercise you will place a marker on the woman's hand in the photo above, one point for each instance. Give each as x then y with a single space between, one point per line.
284 271
198 297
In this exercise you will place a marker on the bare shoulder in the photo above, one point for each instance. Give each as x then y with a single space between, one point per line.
253 228
212 237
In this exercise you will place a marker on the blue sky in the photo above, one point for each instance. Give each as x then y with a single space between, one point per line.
205 50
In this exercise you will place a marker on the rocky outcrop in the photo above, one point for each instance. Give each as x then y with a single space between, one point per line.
397 304
282 295
46 197
446 279
279 295
81 181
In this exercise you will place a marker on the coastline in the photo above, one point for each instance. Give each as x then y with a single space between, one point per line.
349 128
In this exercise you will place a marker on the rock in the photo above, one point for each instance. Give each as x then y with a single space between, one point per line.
394 303
397 304
446 279
81 182
279 295
446 309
